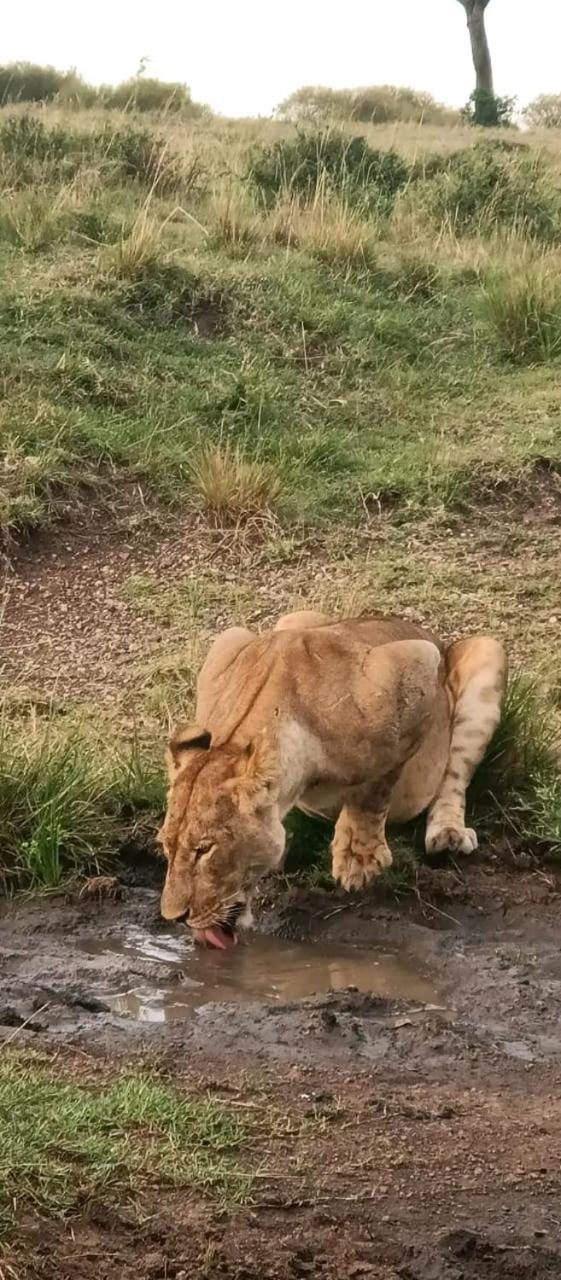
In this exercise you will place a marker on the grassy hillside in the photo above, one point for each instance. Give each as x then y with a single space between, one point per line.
336 362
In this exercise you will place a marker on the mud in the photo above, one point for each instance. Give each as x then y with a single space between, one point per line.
451 980
412 1049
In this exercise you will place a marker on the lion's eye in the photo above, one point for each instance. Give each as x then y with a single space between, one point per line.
201 849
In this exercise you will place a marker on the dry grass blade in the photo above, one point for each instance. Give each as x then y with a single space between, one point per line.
137 249
232 487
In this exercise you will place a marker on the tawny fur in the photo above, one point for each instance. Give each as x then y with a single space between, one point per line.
364 721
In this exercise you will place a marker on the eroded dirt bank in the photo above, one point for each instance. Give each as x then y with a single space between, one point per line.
421 1132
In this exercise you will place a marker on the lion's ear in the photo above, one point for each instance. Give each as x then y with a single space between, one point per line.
185 738
257 773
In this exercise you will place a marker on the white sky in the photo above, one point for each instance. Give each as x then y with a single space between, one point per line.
243 56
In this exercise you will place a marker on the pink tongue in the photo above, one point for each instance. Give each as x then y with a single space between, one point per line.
216 937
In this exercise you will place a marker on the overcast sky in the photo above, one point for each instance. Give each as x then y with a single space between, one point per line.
243 56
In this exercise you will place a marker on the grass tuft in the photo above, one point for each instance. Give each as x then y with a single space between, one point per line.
517 787
53 806
330 229
32 221
523 306
231 487
136 251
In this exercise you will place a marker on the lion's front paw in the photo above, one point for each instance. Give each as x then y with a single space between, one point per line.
355 864
444 836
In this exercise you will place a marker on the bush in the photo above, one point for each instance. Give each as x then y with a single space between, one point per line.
28 82
485 109
524 309
142 93
544 112
377 104
25 137
310 162
30 152
124 154
488 185
141 156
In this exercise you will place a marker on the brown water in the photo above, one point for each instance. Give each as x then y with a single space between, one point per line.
262 968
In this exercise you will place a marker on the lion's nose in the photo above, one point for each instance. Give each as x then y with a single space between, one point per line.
169 912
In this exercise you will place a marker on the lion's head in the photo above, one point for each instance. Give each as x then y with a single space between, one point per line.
222 831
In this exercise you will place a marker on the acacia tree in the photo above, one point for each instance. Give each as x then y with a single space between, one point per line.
475 16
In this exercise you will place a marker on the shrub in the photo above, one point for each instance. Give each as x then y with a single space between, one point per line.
25 138
544 112
314 104
140 155
311 162
377 104
28 82
485 109
524 308
143 93
124 154
488 185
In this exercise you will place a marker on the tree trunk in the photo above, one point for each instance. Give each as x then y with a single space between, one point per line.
475 13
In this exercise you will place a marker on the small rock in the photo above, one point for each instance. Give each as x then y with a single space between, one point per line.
329 1019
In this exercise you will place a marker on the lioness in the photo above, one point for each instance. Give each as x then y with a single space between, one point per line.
363 721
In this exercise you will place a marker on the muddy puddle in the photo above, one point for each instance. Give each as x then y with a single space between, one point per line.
263 968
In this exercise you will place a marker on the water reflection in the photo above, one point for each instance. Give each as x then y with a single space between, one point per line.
262 968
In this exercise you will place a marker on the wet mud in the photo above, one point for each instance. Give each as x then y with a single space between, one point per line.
324 978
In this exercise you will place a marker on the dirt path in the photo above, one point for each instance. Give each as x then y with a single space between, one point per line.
73 625
416 1141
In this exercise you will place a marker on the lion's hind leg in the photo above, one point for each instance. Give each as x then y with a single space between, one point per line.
477 672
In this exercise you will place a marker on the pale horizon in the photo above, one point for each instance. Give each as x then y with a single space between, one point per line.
240 65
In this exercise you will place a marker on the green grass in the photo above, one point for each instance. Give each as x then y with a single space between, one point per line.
517 788
336 352
66 801
524 308
66 1144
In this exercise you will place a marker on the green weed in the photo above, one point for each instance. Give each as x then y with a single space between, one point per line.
28 147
